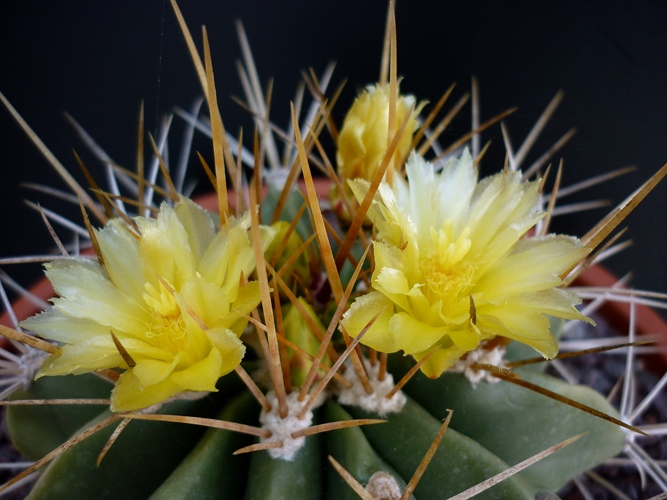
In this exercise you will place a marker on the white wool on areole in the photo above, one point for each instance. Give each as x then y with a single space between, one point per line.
383 485
376 402
483 357
283 428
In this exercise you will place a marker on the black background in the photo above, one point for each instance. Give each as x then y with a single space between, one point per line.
98 60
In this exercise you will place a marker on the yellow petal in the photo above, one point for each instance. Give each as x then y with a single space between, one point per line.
455 187
421 308
393 284
128 394
393 225
97 353
86 293
421 204
533 265
165 248
457 312
502 210
516 322
467 338
248 298
387 256
209 302
231 349
121 258
229 254
201 376
152 371
197 344
554 302
411 335
142 348
214 263
443 358
360 314
52 324
197 224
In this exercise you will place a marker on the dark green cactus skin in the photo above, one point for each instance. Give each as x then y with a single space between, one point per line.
211 471
493 426
516 435
301 478
27 423
458 464
353 451
141 463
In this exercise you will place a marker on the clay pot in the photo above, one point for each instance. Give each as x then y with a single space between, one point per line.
647 320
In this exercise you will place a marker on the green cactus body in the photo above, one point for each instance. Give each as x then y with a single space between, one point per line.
515 435
280 479
355 453
27 423
211 471
134 468
167 460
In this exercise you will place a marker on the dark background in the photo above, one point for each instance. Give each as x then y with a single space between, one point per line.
98 60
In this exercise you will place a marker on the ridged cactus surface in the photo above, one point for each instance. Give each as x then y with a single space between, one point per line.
159 460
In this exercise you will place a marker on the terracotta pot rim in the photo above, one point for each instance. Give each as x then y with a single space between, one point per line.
647 319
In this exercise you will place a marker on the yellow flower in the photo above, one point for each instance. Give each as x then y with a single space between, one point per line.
362 142
453 266
172 296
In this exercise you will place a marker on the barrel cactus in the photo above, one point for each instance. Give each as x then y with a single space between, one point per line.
355 326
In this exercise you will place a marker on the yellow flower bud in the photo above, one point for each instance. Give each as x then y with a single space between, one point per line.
363 139
298 331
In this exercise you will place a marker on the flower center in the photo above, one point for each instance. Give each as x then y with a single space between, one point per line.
447 274
167 330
